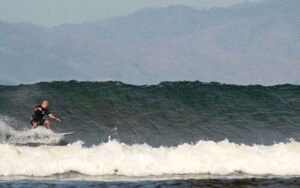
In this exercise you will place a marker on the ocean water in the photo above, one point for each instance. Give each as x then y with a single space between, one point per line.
182 134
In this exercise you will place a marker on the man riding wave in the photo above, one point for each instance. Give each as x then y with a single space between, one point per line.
38 118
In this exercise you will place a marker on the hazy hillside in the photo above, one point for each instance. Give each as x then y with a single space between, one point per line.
250 43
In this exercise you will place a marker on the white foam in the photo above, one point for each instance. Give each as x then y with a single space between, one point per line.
39 135
114 158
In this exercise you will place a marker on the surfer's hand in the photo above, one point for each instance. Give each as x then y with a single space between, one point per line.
38 109
59 120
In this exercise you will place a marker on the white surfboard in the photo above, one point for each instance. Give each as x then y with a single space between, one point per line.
69 133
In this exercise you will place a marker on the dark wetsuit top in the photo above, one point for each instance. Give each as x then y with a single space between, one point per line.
39 115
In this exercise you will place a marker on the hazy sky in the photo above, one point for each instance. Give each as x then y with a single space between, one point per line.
55 12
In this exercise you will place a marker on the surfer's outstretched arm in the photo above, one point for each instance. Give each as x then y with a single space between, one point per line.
52 116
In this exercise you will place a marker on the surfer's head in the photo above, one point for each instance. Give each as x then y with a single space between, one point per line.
45 104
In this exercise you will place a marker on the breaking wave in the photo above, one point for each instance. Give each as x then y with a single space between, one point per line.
114 158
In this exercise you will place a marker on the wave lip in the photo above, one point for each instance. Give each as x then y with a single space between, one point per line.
114 158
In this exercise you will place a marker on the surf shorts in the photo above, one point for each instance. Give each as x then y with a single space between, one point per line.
38 121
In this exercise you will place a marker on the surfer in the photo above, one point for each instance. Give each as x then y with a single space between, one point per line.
38 117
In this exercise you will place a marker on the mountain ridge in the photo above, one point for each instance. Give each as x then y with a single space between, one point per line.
251 43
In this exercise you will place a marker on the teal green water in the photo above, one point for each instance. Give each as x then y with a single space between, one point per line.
166 114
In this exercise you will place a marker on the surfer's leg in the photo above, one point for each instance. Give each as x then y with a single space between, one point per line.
47 124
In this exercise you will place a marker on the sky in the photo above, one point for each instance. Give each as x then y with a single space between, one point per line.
56 12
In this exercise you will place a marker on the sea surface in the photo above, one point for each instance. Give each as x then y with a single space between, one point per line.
174 134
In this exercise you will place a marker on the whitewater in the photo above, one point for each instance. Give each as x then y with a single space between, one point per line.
27 136
114 158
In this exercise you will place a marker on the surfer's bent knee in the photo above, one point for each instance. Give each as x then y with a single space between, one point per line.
34 125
